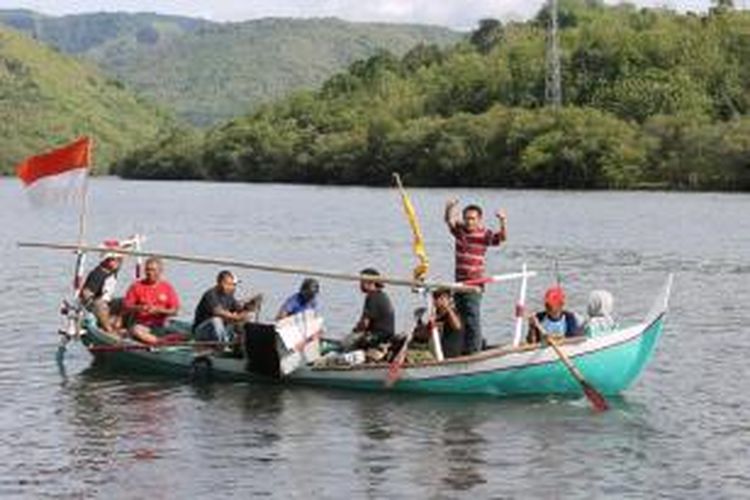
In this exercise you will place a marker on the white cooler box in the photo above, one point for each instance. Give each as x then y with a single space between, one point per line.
298 340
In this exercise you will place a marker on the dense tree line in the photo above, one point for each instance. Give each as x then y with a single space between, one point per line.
652 98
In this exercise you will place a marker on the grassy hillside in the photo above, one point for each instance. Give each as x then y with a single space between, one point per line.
652 97
210 71
47 98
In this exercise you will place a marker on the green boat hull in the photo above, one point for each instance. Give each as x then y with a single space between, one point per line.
610 362
611 370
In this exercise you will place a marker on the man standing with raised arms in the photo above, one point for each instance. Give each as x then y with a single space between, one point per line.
472 240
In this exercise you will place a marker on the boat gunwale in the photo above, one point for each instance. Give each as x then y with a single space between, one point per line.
498 352
494 354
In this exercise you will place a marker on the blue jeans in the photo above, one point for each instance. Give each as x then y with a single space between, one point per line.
213 330
468 306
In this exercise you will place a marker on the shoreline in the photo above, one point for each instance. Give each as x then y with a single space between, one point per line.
640 188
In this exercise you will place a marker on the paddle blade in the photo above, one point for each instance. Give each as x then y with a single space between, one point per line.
394 372
597 401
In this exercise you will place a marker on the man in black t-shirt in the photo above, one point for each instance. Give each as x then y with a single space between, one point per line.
376 325
219 311
96 293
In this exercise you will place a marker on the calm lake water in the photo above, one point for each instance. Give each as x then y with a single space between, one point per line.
682 431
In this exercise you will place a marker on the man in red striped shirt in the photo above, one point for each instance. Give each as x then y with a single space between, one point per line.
472 240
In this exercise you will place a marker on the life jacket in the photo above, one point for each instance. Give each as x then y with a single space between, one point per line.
567 324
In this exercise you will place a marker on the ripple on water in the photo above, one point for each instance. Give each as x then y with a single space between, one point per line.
681 431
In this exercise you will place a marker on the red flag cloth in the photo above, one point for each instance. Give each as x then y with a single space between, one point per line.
73 156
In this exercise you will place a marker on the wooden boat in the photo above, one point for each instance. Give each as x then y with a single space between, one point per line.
610 362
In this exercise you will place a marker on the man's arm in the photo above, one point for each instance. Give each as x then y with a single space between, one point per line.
172 306
165 311
253 303
234 312
229 315
130 300
445 307
365 321
502 230
450 217
534 335
86 296
363 324
94 282
452 319
284 309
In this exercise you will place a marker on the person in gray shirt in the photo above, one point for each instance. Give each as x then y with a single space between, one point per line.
376 325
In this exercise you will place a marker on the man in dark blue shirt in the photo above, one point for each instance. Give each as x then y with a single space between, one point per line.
301 301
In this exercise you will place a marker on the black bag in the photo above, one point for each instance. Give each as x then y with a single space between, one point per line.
260 350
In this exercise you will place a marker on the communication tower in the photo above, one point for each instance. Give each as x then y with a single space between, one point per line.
553 83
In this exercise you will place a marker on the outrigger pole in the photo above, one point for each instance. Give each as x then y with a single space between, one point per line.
80 254
411 283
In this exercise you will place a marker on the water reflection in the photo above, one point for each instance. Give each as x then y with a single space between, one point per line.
463 448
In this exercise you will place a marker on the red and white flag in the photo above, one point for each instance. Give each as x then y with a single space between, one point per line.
59 175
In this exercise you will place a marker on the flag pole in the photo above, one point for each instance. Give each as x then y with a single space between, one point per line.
80 254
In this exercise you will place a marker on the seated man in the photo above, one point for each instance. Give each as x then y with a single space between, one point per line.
448 323
554 320
301 301
150 302
96 293
218 310
376 325
599 311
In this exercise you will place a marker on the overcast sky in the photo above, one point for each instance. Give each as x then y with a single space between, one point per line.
453 13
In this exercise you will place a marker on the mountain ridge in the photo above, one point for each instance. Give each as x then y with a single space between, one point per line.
209 71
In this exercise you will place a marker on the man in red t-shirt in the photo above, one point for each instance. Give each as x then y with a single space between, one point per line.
472 241
150 302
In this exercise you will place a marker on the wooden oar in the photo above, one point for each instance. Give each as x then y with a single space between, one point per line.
595 397
411 283
394 369
498 278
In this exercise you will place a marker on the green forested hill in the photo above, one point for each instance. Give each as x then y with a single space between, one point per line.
210 71
47 98
651 98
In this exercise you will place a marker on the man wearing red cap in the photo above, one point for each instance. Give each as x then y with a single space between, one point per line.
554 320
